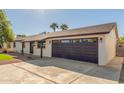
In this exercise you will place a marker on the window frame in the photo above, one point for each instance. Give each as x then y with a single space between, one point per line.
65 40
76 40
91 40
38 44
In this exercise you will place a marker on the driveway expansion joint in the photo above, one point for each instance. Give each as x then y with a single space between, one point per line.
75 79
34 73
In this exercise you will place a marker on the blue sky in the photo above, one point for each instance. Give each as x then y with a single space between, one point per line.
31 22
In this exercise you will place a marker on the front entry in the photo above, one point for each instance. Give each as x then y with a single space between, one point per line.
23 46
31 47
84 49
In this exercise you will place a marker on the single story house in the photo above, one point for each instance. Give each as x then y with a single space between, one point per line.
95 44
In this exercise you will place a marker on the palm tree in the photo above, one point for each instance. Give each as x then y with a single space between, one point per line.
64 27
54 26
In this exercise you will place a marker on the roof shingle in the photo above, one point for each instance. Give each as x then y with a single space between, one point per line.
89 30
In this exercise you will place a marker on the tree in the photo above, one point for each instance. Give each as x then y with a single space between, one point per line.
64 27
121 39
54 26
6 33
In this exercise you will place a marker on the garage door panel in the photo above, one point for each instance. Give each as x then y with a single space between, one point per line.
84 51
89 53
78 47
83 56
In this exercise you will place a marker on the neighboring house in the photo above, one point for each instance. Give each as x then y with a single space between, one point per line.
95 44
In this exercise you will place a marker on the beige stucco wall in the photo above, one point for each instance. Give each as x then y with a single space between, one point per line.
18 47
27 48
37 50
47 51
101 50
107 49
110 45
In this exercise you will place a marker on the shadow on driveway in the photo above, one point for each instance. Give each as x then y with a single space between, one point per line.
104 72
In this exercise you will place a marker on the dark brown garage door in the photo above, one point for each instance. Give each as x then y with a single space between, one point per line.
76 49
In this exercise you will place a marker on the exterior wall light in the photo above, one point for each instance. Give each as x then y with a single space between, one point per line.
101 39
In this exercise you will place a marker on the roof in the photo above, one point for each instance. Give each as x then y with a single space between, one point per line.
19 38
89 30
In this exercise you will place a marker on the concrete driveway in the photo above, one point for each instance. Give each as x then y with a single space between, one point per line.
56 70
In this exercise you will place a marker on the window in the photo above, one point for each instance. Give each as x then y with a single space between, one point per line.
89 40
76 41
56 41
14 44
65 41
43 41
39 44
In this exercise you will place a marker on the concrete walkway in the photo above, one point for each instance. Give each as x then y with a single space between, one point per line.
121 81
56 70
